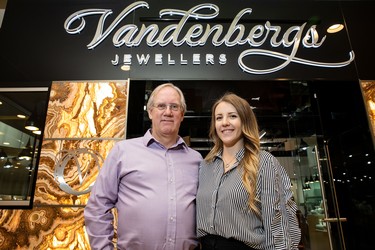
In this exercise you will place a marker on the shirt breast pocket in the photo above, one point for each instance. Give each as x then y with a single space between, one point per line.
190 181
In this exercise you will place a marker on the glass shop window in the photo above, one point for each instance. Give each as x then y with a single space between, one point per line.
22 117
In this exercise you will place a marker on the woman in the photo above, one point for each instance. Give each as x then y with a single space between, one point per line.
244 200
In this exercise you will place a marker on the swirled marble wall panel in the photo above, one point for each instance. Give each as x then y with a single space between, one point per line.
43 228
368 90
87 110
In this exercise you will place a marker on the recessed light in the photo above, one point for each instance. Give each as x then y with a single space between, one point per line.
125 67
335 28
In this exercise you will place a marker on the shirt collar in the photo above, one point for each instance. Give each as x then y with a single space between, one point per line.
148 139
239 154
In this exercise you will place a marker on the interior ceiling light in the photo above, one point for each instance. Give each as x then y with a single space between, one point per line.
26 153
21 116
316 178
303 145
31 123
335 28
306 180
8 164
3 155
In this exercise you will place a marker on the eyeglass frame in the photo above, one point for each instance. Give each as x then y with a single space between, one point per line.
164 106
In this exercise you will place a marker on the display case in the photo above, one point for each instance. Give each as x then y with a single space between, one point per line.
22 117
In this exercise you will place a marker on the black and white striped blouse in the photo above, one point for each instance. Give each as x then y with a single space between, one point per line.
222 204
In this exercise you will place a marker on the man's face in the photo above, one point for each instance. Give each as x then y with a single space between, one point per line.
166 122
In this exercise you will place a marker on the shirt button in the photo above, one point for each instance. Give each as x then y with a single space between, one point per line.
170 240
171 218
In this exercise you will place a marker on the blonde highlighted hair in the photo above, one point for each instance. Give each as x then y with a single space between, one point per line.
250 133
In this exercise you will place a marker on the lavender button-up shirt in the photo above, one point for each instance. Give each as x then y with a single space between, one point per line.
153 189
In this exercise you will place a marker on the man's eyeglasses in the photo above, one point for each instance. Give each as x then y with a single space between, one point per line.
172 106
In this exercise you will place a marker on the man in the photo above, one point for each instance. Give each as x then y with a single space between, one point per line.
151 181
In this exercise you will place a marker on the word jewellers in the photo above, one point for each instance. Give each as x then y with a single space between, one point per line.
160 59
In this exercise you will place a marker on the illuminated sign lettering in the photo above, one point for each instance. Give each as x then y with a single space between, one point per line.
198 35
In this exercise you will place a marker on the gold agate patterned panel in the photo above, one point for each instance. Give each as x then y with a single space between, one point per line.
43 228
87 110
368 91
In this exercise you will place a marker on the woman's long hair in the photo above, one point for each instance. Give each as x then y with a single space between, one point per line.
250 133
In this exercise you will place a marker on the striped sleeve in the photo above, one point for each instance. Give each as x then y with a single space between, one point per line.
278 208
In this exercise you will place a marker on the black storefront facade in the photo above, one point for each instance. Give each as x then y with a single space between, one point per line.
304 83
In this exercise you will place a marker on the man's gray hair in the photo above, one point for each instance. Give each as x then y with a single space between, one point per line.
151 103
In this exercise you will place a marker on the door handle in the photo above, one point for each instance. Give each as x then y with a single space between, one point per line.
334 219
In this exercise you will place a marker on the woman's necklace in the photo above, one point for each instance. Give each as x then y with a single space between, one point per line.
228 164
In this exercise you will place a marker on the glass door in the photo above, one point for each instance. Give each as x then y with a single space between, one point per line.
335 172
319 213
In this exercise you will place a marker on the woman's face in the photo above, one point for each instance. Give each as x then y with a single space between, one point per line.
228 124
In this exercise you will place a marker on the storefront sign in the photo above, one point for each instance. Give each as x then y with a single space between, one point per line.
178 40
191 27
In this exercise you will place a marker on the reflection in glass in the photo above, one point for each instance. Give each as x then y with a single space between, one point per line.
19 154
